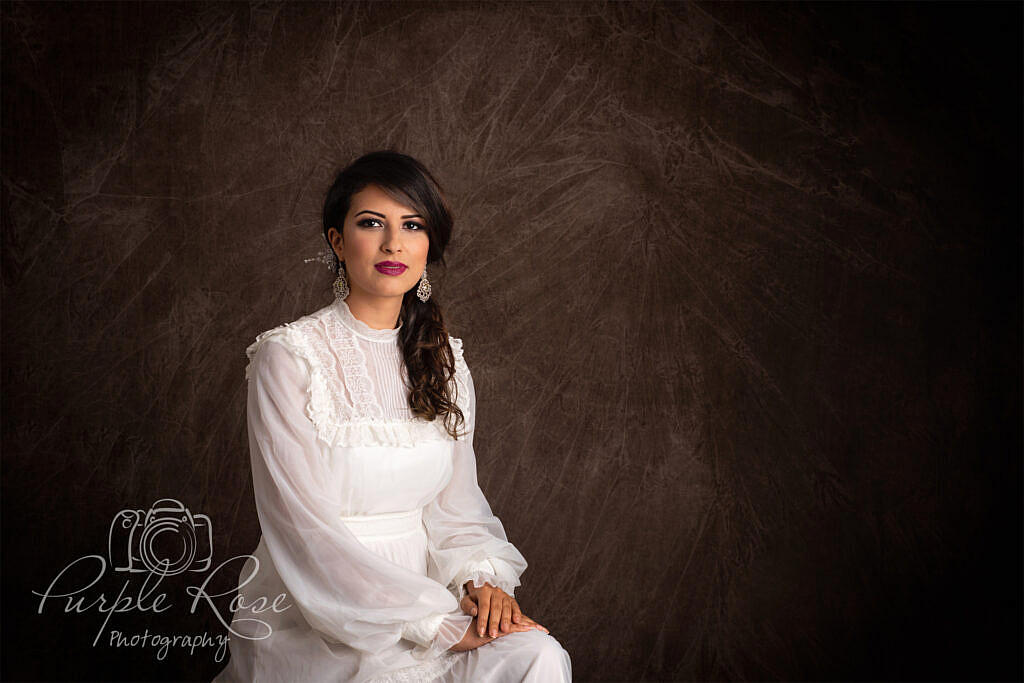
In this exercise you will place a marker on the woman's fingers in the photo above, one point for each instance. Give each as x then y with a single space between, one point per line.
483 614
533 624
468 606
494 618
497 613
485 639
517 615
506 615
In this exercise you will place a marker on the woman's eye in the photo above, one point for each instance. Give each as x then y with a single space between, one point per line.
375 223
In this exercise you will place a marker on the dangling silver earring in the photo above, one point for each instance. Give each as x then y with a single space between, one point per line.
341 284
423 291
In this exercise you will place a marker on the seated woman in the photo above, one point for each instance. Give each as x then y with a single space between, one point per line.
383 554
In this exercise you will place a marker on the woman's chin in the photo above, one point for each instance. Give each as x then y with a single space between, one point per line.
387 289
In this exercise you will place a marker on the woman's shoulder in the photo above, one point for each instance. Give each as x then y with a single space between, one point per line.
262 349
463 377
459 353
293 336
457 347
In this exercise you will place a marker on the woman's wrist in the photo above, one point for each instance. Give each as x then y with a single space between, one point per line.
451 631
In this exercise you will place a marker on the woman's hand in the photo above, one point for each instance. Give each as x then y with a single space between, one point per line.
471 640
496 611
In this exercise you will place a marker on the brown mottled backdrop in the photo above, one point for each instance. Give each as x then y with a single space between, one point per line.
740 286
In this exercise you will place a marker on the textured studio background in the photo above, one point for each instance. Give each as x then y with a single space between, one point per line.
740 286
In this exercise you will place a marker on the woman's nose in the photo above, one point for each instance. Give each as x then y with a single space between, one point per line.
392 240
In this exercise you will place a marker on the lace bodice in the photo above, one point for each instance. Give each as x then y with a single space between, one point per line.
358 395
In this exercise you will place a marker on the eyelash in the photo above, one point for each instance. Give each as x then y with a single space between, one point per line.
365 223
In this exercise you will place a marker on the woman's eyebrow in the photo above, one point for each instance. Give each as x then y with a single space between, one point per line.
377 213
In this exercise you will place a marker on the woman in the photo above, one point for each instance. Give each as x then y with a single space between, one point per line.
378 545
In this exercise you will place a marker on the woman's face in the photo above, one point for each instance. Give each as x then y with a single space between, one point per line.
379 233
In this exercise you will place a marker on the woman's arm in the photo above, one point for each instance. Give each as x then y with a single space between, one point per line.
345 591
467 542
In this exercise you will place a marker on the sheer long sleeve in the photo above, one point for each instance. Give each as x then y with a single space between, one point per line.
467 542
344 591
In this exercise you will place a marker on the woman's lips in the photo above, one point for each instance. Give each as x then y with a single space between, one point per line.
390 268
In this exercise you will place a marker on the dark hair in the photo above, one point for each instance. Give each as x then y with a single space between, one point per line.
428 356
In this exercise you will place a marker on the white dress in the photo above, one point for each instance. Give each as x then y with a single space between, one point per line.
372 522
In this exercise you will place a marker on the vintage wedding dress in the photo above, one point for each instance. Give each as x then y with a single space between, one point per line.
372 522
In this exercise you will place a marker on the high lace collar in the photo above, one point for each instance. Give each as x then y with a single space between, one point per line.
363 330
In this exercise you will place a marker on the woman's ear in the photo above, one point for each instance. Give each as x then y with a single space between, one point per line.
334 237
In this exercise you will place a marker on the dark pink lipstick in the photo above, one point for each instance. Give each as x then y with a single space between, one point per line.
391 267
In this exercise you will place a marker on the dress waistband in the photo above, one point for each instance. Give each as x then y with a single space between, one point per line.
385 525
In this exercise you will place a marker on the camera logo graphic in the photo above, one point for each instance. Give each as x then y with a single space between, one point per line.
167 539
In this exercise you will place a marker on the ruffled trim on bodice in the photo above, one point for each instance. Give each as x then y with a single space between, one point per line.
342 401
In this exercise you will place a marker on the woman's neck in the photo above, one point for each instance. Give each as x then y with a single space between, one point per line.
379 313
